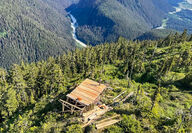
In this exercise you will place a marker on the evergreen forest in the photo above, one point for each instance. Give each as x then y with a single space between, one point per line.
158 72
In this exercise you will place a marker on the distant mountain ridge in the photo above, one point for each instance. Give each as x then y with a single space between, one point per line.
33 30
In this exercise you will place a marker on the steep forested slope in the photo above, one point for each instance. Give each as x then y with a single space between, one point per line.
158 73
60 4
106 20
32 30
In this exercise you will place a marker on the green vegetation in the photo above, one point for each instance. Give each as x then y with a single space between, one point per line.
155 34
33 30
158 72
2 34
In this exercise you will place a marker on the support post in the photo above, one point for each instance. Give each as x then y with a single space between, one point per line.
63 107
72 109
82 111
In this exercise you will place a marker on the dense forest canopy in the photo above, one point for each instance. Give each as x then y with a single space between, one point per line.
158 72
32 30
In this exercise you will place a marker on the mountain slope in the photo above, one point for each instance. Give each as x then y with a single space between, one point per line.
156 75
106 20
32 30
60 5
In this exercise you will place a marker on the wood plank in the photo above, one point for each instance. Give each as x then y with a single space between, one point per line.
89 91
83 94
84 100
105 124
115 116
74 97
95 88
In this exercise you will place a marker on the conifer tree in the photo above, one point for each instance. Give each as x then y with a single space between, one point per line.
172 62
168 40
190 39
73 65
57 80
3 81
19 84
156 97
32 98
11 103
30 76
184 36
3 90
176 37
137 93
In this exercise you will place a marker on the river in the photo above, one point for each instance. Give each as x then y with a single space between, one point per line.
74 26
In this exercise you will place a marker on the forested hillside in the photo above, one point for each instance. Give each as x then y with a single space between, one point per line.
32 30
105 20
158 72
61 4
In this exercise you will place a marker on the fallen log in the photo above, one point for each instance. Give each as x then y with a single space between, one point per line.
129 95
118 96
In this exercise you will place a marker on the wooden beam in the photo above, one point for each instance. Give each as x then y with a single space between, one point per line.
80 105
78 111
62 101
68 106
